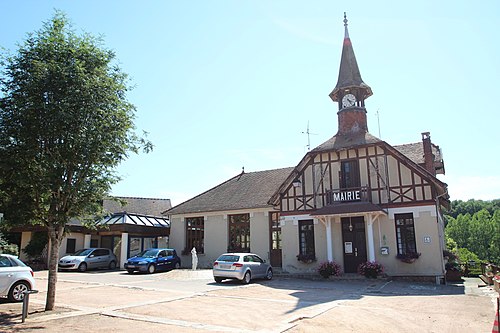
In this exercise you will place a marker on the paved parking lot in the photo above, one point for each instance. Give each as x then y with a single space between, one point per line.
187 301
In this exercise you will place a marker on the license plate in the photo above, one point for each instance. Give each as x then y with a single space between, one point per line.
225 266
130 266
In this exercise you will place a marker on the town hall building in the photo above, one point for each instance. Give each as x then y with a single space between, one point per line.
354 198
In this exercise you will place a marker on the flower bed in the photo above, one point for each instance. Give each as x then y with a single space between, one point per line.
305 258
370 269
329 268
408 257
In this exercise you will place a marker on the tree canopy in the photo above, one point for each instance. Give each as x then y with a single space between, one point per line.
65 125
474 226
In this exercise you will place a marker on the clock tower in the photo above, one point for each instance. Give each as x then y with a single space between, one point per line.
350 92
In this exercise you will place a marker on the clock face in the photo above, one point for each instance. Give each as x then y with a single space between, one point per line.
348 100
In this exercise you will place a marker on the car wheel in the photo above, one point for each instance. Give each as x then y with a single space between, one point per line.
247 278
151 269
82 267
112 265
130 271
177 265
218 279
269 274
16 293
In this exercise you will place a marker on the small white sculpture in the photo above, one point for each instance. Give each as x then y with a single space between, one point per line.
194 257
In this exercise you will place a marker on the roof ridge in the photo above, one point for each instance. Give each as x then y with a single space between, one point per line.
124 197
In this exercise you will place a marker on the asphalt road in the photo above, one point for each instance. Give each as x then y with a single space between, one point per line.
187 301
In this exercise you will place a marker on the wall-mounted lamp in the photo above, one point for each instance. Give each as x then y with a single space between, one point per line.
296 183
350 225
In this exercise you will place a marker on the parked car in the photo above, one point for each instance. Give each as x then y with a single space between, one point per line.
241 266
85 259
152 260
15 278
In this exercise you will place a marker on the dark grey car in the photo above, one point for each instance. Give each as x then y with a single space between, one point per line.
85 259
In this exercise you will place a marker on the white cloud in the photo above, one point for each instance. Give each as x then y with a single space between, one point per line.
473 187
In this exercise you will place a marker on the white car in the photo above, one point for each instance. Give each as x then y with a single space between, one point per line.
241 266
15 278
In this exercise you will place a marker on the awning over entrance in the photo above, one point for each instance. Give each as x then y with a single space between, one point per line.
348 208
125 218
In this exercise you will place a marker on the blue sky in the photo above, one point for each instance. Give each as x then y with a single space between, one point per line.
224 84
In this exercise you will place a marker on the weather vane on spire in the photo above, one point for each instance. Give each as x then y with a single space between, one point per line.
346 35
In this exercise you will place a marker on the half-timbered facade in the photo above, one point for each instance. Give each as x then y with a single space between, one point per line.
352 199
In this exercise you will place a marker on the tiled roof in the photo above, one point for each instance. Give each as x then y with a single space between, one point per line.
339 142
415 152
142 206
245 191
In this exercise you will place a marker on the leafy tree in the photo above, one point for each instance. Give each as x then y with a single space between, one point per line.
478 230
480 233
465 256
36 245
65 125
458 229
6 247
472 206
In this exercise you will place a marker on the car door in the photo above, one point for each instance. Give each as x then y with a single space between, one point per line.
162 260
103 258
260 266
248 261
92 259
6 275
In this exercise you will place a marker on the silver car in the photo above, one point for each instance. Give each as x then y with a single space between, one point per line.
88 259
15 278
241 266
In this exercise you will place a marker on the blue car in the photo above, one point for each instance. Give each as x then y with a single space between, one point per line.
152 260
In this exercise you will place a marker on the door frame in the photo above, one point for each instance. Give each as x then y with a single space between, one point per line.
356 253
275 255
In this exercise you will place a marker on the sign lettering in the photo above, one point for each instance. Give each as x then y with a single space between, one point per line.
347 196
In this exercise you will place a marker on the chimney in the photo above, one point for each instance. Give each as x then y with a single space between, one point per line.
428 156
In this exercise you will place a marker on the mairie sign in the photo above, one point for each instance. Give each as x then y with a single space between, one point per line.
354 195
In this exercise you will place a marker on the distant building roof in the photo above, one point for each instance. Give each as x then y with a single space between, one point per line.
142 206
245 191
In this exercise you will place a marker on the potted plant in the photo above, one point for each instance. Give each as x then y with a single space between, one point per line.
329 268
496 282
370 269
306 258
408 257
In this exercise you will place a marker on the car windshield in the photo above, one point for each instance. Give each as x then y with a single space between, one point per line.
83 252
151 253
229 258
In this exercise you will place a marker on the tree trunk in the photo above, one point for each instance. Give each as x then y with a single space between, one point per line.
55 236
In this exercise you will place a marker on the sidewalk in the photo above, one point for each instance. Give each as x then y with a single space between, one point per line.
189 301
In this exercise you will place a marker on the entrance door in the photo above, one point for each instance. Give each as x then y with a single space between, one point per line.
353 234
274 239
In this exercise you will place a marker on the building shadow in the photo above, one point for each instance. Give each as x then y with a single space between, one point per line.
316 292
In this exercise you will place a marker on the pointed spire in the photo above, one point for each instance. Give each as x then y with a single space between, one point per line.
349 75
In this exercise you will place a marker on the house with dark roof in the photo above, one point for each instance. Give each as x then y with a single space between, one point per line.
353 199
131 225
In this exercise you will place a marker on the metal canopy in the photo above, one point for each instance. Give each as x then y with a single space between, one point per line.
135 219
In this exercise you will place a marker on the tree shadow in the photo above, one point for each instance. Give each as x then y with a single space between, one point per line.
13 316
